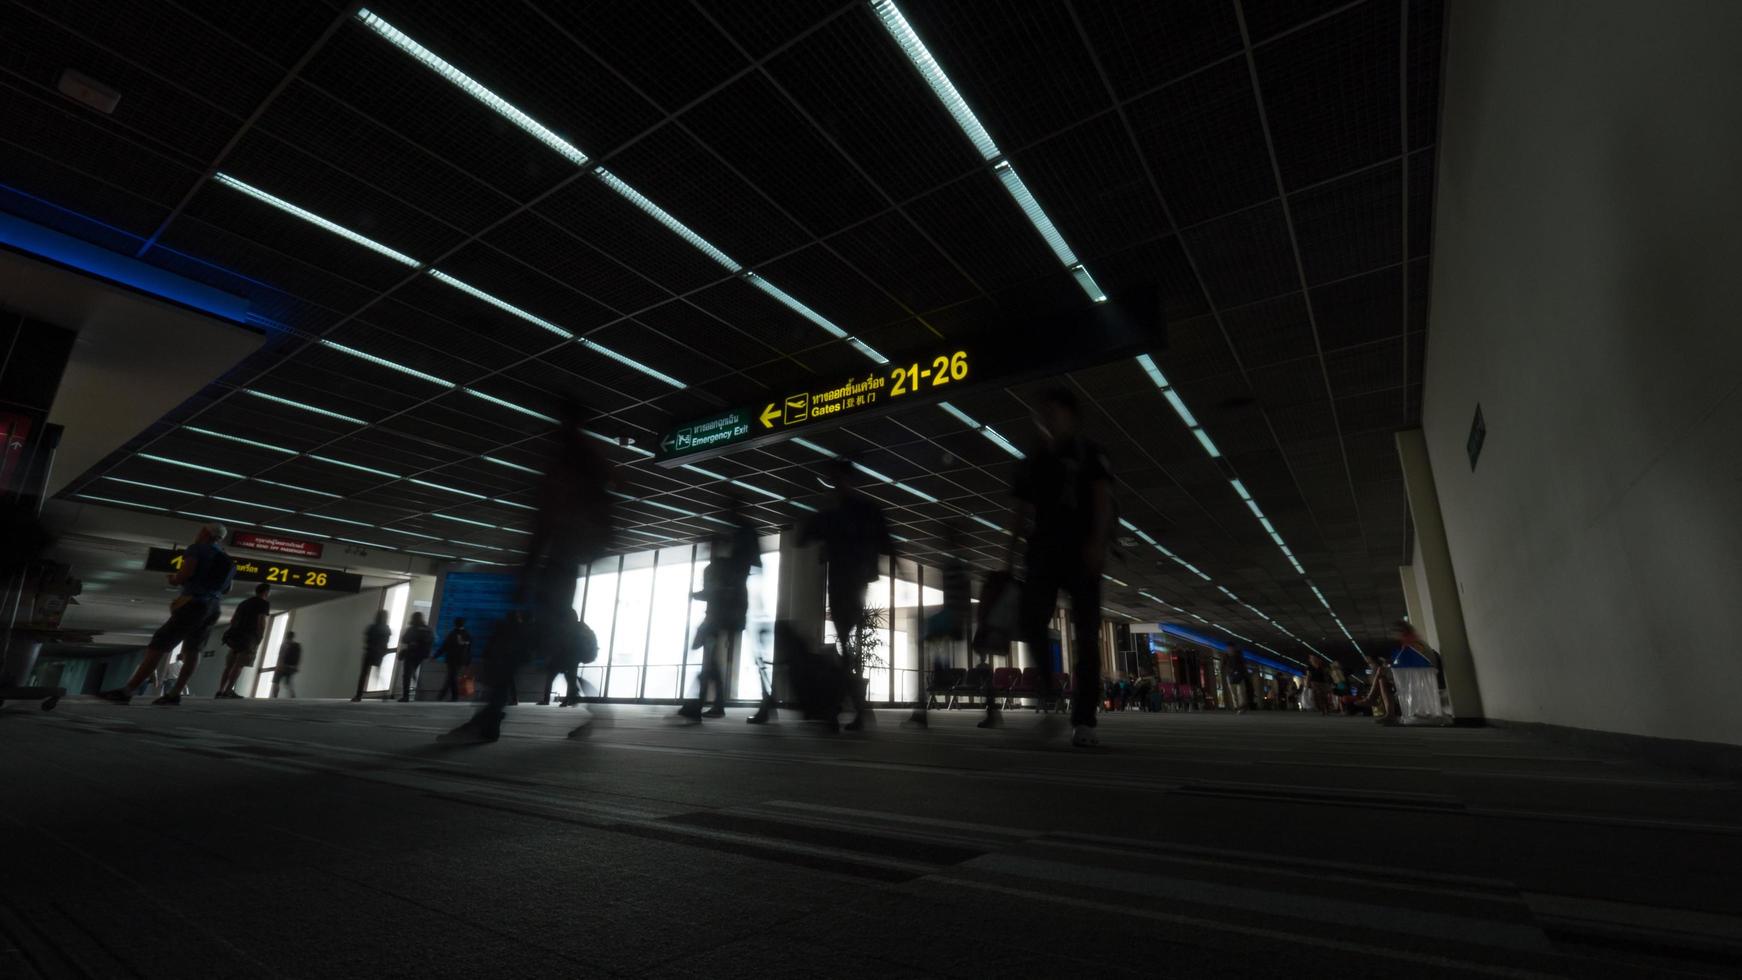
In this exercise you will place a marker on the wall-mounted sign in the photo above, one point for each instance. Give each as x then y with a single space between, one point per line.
276 545
275 572
1006 353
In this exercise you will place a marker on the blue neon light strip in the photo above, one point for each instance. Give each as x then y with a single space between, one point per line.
65 250
1217 644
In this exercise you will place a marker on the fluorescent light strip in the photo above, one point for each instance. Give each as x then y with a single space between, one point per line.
151 486
354 466
368 544
429 554
631 362
1001 442
462 520
660 215
189 466
305 406
246 442
292 530
1209 447
474 544
452 490
504 403
251 503
500 304
1091 288
757 489
1007 176
802 506
813 447
934 76
339 520
1240 488
411 534
314 219
512 466
1252 505
292 486
981 520
662 506
510 503
961 416
794 305
465 83
389 365
921 494
1114 581
868 471
215 517
645 534
710 474
867 350
1154 372
123 503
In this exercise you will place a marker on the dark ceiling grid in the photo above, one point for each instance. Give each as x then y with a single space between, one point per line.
894 286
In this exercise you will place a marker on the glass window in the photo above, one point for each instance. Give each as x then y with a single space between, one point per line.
600 612
395 600
269 656
629 625
670 630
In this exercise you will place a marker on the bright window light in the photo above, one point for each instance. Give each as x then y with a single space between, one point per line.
504 403
1019 191
513 466
354 466
389 365
1209 447
461 520
151 486
292 530
794 305
813 447
1090 287
189 466
338 520
238 439
660 215
710 474
631 362
124 503
253 503
867 350
305 406
314 219
1150 369
447 489
292 486
754 488
503 305
1179 407
934 76
464 83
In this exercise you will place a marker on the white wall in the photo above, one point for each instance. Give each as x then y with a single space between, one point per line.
1587 292
331 635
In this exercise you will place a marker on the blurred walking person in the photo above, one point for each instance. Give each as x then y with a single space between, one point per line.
376 636
580 646
853 533
1064 511
456 655
948 627
726 590
1239 680
572 527
289 662
415 645
242 639
1319 683
204 576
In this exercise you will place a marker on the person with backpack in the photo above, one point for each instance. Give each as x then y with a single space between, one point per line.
726 590
1064 511
456 654
204 576
415 645
572 647
247 629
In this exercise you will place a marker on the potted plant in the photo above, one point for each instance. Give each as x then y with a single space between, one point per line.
867 639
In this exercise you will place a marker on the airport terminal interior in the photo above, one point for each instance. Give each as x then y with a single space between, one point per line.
890 488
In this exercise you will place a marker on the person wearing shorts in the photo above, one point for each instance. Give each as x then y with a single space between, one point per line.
205 574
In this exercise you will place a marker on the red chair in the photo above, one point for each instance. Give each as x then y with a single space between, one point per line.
1003 679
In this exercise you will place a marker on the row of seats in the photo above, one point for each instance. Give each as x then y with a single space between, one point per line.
956 686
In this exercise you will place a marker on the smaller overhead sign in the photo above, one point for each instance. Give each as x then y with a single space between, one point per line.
275 572
276 545
716 430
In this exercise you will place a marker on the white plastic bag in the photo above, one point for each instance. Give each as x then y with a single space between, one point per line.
1418 696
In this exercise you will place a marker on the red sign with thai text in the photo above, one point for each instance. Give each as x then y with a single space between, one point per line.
278 546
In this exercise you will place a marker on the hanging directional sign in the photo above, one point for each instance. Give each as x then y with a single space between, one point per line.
1008 354
275 572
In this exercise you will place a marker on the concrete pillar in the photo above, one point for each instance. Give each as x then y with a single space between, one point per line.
1412 596
800 602
1438 584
